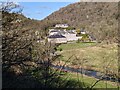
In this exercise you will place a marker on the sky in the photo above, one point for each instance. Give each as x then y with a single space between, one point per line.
40 10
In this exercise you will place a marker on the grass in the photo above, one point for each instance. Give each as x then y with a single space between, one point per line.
70 46
89 81
91 55
77 80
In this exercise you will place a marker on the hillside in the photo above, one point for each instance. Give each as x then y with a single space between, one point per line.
30 25
100 19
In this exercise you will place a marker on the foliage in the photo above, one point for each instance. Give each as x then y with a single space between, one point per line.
18 36
78 31
59 49
23 55
70 28
27 63
15 42
85 38
97 18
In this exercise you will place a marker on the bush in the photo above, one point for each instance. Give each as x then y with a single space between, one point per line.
60 49
78 41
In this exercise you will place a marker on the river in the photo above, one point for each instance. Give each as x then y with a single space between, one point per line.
90 73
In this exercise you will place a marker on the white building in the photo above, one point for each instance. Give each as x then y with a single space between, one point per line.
52 32
62 35
70 36
79 37
57 38
61 25
83 31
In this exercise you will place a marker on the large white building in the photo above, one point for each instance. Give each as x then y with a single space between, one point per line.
53 32
61 36
57 38
61 25
70 35
57 35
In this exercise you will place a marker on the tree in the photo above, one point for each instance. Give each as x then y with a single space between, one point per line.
16 40
78 31
23 55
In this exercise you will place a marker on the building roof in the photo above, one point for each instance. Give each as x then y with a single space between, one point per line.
92 37
82 30
62 32
70 32
56 36
54 31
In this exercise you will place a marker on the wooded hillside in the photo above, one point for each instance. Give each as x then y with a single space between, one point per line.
100 19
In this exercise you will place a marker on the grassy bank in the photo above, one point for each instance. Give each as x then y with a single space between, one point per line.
70 46
89 81
77 80
99 57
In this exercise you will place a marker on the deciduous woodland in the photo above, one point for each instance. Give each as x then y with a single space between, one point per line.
29 60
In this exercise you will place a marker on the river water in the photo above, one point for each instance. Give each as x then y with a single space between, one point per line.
90 73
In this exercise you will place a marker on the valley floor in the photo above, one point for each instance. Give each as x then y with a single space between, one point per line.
91 56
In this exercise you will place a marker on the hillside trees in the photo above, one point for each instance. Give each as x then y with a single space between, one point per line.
99 18
17 39
25 62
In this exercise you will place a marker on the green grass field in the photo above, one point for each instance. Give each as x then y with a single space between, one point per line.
70 46
77 80
89 81
100 57
91 55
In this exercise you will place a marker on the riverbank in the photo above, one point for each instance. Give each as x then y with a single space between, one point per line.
89 81
91 56
84 80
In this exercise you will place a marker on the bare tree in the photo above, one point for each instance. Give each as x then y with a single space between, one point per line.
16 39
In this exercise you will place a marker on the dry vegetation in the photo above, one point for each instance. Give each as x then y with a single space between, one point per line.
26 63
100 19
93 57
